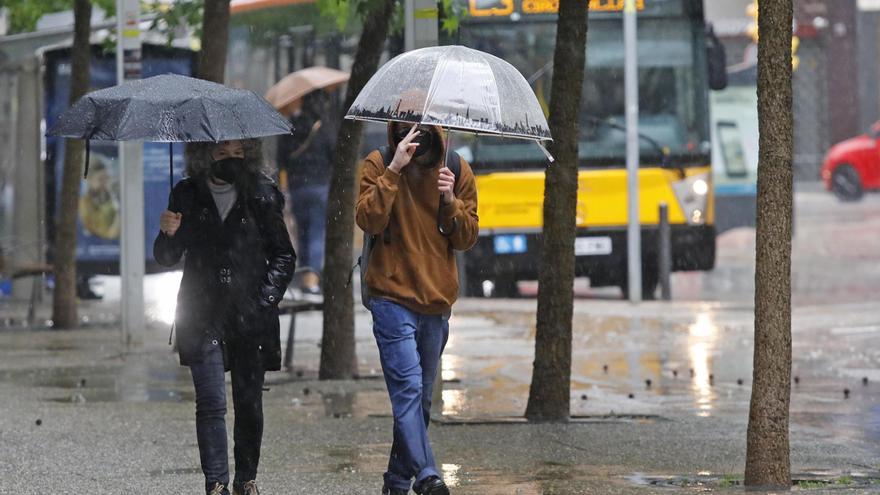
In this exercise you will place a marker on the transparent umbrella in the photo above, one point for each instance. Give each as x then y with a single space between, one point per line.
455 87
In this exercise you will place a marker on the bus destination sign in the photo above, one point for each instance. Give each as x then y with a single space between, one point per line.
494 8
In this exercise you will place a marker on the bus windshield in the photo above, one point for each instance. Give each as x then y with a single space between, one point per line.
673 98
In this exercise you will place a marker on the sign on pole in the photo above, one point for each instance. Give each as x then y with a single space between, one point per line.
420 29
631 84
131 174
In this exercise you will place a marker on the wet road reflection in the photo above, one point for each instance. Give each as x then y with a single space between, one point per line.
701 339
671 359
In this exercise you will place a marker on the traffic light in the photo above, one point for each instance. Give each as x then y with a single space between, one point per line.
752 28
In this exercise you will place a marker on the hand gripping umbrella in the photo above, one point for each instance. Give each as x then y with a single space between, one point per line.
169 108
455 87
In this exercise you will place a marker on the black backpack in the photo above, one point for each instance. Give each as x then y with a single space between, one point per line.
453 163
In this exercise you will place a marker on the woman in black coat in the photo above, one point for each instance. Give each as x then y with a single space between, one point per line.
225 220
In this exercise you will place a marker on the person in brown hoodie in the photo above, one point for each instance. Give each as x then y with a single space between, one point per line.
412 281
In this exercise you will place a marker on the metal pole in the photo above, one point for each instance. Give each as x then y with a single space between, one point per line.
665 253
420 26
131 178
28 210
631 83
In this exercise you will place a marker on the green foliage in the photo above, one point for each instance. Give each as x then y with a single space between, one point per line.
364 7
180 13
339 11
398 19
843 480
811 484
730 480
23 14
451 14
264 26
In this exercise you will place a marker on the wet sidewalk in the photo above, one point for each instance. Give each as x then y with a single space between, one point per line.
659 392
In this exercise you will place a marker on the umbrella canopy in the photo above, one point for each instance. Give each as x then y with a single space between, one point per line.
453 87
297 84
170 108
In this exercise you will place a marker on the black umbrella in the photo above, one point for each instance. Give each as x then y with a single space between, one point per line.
169 108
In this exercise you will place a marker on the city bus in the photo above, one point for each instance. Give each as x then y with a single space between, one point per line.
679 60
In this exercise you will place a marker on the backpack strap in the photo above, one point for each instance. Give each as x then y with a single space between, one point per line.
453 163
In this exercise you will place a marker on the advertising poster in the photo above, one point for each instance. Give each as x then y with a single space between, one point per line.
98 219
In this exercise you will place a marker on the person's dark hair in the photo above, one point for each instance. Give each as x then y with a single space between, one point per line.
198 160
315 104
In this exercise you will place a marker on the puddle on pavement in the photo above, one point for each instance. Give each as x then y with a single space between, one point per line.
547 477
621 365
367 458
800 481
360 403
690 360
176 472
132 395
82 385
21 323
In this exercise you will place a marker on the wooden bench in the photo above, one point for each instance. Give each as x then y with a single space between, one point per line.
293 307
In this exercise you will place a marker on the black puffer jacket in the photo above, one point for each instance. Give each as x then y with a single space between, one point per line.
235 271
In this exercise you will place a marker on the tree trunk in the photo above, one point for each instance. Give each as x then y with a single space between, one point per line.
549 395
215 40
767 456
64 311
338 358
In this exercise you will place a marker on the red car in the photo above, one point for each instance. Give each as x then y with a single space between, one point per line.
853 166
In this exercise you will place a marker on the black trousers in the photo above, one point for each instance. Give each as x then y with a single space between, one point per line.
247 400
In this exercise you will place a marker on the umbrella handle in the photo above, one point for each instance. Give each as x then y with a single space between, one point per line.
86 167
443 231
546 152
171 165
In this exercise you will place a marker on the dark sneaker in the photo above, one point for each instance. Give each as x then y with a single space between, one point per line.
218 489
248 488
432 485
393 491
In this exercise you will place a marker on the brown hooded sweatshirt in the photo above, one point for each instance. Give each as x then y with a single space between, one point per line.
417 267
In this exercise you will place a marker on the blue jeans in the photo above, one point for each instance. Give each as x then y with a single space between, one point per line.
410 345
247 399
309 207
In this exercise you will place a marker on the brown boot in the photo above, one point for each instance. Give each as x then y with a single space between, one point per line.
218 489
248 488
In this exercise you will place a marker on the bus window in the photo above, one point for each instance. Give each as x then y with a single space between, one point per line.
730 140
673 116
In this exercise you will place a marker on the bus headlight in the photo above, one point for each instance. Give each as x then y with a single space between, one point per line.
693 194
